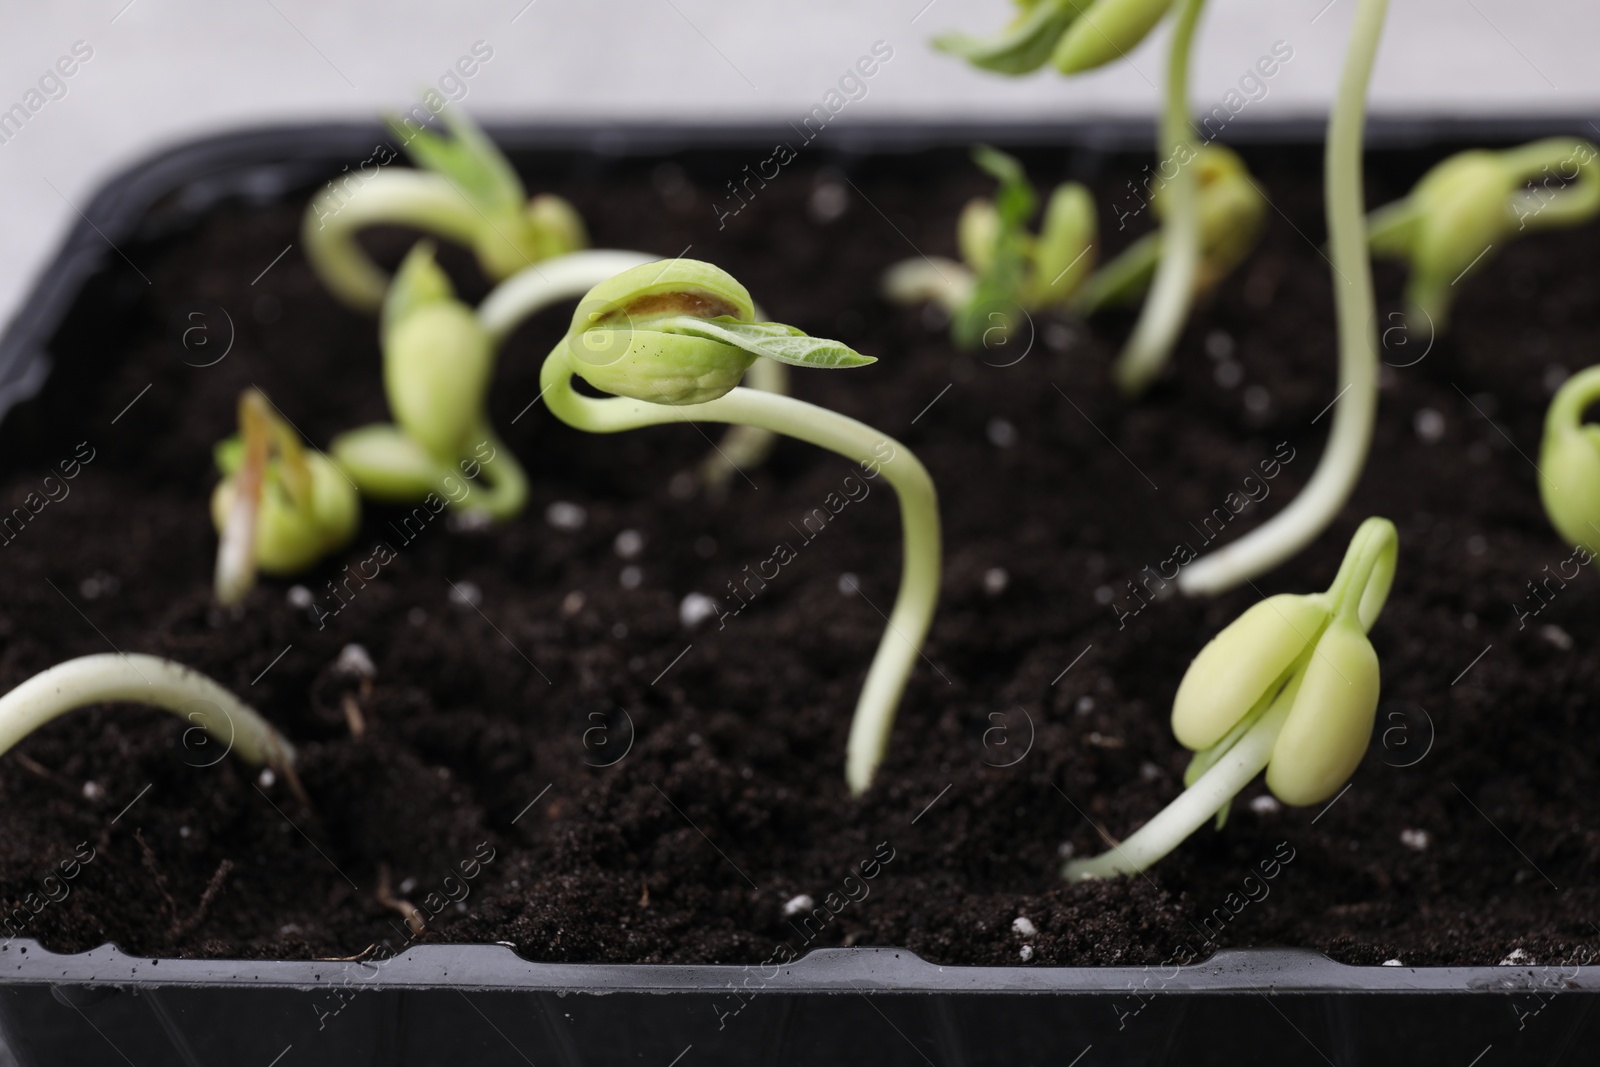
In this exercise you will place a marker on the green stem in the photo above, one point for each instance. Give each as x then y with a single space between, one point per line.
507 492
571 276
1362 585
744 446
1121 280
390 198
139 679
1571 204
919 515
1356 403
1167 306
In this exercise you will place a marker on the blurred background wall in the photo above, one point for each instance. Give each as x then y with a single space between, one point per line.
149 73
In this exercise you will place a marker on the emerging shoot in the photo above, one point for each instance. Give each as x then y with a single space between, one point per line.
1232 215
570 276
1569 462
670 341
1079 35
437 361
1476 202
280 506
159 683
1006 270
1356 402
466 191
1289 687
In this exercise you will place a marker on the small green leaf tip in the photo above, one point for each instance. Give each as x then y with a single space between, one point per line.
466 156
1013 271
438 359
1308 650
1474 203
420 280
1569 462
681 331
280 506
994 238
511 232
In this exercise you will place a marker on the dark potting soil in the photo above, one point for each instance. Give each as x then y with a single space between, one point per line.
621 788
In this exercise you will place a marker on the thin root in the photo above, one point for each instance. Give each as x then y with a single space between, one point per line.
357 958
299 791
212 891
415 922
156 876
34 767
352 716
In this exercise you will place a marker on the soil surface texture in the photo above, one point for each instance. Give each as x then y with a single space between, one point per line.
553 759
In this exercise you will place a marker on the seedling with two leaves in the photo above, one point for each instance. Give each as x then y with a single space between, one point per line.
1077 36
670 342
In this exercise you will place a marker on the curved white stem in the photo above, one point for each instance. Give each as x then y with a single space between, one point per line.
744 446
930 279
1356 404
1195 806
567 277
908 622
391 197
140 679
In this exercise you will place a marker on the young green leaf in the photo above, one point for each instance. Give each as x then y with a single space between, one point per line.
438 359
467 157
1109 30
786 344
1022 47
418 281
1064 251
997 296
280 506
1015 199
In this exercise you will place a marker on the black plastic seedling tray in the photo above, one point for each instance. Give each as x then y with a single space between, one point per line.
484 1005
